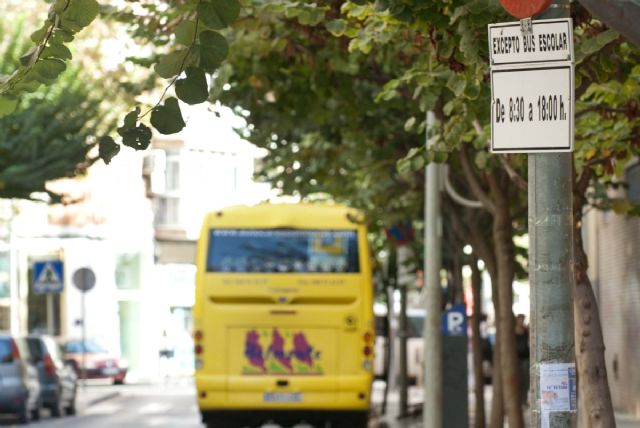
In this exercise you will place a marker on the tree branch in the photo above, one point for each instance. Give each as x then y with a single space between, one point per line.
520 182
474 182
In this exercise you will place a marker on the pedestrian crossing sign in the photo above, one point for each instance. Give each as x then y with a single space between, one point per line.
48 276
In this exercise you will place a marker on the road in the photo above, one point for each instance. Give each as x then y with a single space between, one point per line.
173 405
131 406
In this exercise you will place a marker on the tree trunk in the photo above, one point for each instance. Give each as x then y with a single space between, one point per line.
484 250
503 245
592 370
497 400
476 343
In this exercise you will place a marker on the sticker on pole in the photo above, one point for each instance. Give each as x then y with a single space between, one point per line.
48 276
558 392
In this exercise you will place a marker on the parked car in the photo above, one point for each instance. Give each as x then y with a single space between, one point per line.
91 361
19 386
58 379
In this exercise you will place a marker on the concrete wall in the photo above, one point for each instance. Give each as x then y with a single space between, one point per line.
613 243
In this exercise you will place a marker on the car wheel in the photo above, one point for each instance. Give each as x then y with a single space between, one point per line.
71 408
118 381
56 409
36 411
24 416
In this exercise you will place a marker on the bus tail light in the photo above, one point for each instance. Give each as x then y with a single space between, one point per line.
367 351
198 335
198 349
368 337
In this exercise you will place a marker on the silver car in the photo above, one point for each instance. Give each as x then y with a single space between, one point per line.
57 379
19 386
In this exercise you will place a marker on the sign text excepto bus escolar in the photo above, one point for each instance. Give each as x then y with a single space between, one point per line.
547 42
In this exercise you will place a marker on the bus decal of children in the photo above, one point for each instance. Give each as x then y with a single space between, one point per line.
253 350
301 349
277 360
277 349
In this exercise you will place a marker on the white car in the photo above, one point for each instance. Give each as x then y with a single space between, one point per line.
415 347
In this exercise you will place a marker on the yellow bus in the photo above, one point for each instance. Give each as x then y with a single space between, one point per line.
283 317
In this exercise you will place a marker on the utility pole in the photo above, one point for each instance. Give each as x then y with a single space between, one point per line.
551 279
432 407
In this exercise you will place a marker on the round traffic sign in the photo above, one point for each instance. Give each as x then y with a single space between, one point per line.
525 8
84 279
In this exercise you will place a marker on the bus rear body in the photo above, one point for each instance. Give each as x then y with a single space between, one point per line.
284 326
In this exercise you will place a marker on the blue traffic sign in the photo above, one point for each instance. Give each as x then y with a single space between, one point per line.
48 276
454 321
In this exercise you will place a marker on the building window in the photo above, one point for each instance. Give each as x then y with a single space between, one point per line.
633 183
4 274
167 211
172 172
128 271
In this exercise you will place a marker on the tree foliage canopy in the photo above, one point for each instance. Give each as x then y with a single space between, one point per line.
50 137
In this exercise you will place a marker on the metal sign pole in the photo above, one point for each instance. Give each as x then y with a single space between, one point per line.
84 279
84 340
432 408
551 280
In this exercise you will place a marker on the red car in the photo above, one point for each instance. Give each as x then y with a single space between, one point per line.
92 361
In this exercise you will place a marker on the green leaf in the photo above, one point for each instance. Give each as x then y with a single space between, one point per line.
61 36
409 124
49 68
213 49
7 105
606 37
138 137
167 118
170 64
28 56
79 14
218 14
193 89
336 27
56 51
107 148
38 36
186 33
131 118
133 135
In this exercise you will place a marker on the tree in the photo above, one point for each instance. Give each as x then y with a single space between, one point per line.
51 137
189 27
438 54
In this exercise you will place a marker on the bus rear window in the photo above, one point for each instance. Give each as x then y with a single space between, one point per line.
282 251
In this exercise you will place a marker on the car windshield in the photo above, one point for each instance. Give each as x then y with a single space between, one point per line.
76 347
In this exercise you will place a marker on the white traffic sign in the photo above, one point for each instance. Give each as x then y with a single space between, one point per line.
551 40
48 276
532 109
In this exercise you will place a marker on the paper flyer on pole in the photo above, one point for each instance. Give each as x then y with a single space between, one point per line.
557 389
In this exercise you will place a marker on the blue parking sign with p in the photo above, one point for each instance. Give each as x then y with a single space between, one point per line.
48 276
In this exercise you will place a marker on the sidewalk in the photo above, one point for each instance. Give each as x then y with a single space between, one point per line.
414 419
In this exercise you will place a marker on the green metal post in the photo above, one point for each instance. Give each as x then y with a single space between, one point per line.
551 275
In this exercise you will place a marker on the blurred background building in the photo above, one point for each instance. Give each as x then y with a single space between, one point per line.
135 224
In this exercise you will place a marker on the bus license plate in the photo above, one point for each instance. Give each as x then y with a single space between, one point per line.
283 397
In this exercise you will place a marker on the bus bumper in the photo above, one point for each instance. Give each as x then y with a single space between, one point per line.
289 417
